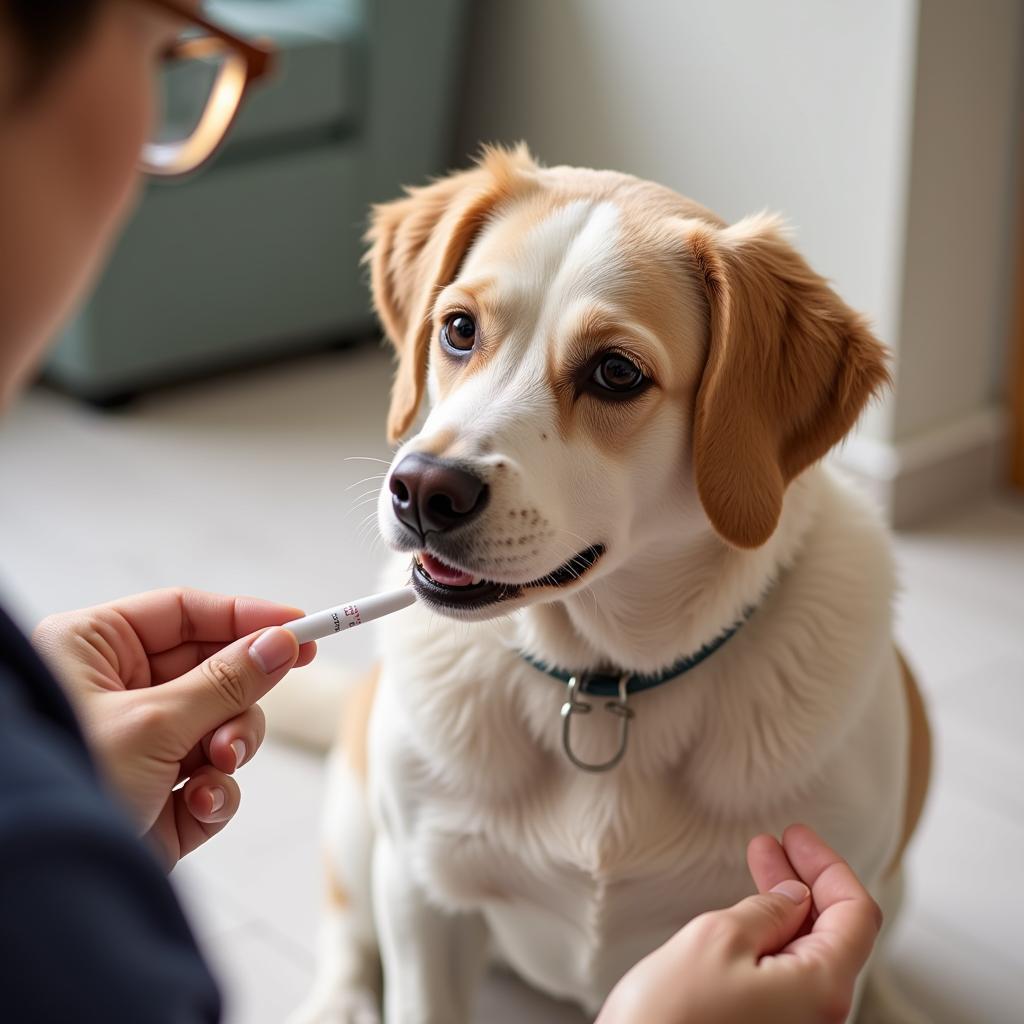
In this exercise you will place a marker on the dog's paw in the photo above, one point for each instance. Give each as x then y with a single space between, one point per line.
356 1006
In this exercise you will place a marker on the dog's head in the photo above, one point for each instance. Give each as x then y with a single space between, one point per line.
608 365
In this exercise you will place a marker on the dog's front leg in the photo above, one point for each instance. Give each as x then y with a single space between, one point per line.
432 960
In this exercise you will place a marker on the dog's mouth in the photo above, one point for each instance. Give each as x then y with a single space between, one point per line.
443 584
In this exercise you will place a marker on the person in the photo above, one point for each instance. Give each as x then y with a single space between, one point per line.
158 707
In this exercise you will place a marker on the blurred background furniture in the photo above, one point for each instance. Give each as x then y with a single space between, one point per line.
259 255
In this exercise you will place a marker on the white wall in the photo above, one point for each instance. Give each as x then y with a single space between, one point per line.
961 216
884 130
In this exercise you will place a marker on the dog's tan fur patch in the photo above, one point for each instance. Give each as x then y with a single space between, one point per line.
919 757
417 245
355 723
337 894
789 370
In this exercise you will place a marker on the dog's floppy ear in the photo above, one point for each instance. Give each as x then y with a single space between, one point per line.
789 368
417 244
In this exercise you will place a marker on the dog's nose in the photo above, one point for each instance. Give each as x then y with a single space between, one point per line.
428 493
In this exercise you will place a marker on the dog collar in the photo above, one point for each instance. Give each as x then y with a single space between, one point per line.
619 687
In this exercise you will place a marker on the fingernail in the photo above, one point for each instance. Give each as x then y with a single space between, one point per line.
793 890
216 799
272 649
238 746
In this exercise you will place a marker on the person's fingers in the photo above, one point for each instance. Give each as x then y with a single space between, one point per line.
229 746
93 645
769 865
307 652
203 806
224 686
196 758
166 665
849 919
766 922
211 796
831 879
165 619
234 743
768 862
176 662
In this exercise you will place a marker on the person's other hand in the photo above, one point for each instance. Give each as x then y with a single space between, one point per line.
165 685
789 955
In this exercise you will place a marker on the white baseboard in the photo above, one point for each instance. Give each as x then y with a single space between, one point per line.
914 479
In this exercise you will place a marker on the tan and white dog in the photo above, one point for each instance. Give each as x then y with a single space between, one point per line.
628 402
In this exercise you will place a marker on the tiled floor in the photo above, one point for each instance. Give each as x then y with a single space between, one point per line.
242 485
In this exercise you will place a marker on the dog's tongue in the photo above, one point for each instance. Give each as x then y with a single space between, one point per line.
444 573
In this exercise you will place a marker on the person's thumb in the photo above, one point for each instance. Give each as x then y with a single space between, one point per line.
229 682
767 922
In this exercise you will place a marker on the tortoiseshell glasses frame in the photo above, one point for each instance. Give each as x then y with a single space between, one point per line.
242 63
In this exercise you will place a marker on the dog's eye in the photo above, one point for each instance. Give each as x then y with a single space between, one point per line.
458 334
618 374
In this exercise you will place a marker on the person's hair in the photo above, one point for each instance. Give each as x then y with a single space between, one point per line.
46 30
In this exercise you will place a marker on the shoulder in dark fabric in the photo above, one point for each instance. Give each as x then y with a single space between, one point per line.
89 926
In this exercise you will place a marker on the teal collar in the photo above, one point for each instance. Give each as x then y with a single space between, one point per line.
612 684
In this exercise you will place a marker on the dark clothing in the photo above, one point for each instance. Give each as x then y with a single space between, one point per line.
90 929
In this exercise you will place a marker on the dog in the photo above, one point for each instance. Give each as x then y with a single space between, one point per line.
651 622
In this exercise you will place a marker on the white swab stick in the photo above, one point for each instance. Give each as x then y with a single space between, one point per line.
346 616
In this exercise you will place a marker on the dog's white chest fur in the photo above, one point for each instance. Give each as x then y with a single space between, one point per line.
799 717
582 879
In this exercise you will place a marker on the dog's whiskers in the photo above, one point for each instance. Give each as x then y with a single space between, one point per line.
365 532
373 490
572 567
372 499
367 518
366 479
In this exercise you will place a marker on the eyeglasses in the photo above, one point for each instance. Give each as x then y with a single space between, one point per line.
204 78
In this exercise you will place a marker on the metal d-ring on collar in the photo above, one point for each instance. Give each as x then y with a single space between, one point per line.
616 706
618 689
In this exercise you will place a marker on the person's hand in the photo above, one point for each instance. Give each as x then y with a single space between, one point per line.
790 955
165 686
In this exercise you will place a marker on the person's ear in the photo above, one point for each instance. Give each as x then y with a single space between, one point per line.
417 244
789 368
